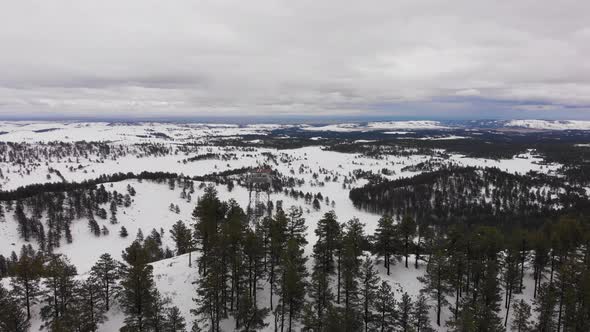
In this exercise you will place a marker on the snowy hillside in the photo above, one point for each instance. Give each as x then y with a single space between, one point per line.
391 125
550 124
124 133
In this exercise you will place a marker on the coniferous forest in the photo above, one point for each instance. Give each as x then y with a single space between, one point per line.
246 272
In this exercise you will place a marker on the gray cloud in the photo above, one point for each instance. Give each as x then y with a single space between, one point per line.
305 58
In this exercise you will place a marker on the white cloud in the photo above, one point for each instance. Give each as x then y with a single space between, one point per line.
147 57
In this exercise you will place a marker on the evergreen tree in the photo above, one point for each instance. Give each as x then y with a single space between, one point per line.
137 288
510 276
296 225
106 273
123 232
368 291
545 307
208 215
384 240
89 306
182 237
435 282
293 274
424 237
158 312
385 307
521 321
12 317
27 273
420 316
174 321
59 283
352 244
407 230
404 308
277 240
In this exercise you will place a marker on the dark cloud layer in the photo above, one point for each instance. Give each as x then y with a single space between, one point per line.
438 59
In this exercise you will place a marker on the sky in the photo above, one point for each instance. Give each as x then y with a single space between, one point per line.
265 59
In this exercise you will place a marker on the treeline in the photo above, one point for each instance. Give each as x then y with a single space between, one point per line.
38 188
474 195
210 156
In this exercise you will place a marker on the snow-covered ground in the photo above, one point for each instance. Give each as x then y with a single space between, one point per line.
322 171
389 125
125 133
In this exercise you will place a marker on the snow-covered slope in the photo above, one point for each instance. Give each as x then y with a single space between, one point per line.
550 124
127 133
389 125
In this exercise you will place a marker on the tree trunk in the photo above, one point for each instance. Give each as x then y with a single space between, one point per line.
522 259
338 282
28 299
438 296
406 250
560 309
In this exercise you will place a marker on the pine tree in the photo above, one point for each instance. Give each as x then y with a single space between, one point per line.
404 308
368 291
327 232
456 245
209 301
384 243
12 317
407 230
27 273
94 227
106 273
59 283
385 306
487 297
277 237
435 282
251 316
174 321
137 288
296 227
320 301
89 306
158 312
424 237
352 244
510 276
292 281
182 237
123 232
545 307
419 315
540 259
208 215
521 321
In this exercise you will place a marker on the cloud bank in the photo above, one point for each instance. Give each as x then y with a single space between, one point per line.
295 58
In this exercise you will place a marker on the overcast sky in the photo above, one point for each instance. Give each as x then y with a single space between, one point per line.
296 58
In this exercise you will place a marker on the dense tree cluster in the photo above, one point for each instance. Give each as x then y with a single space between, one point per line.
59 210
474 195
